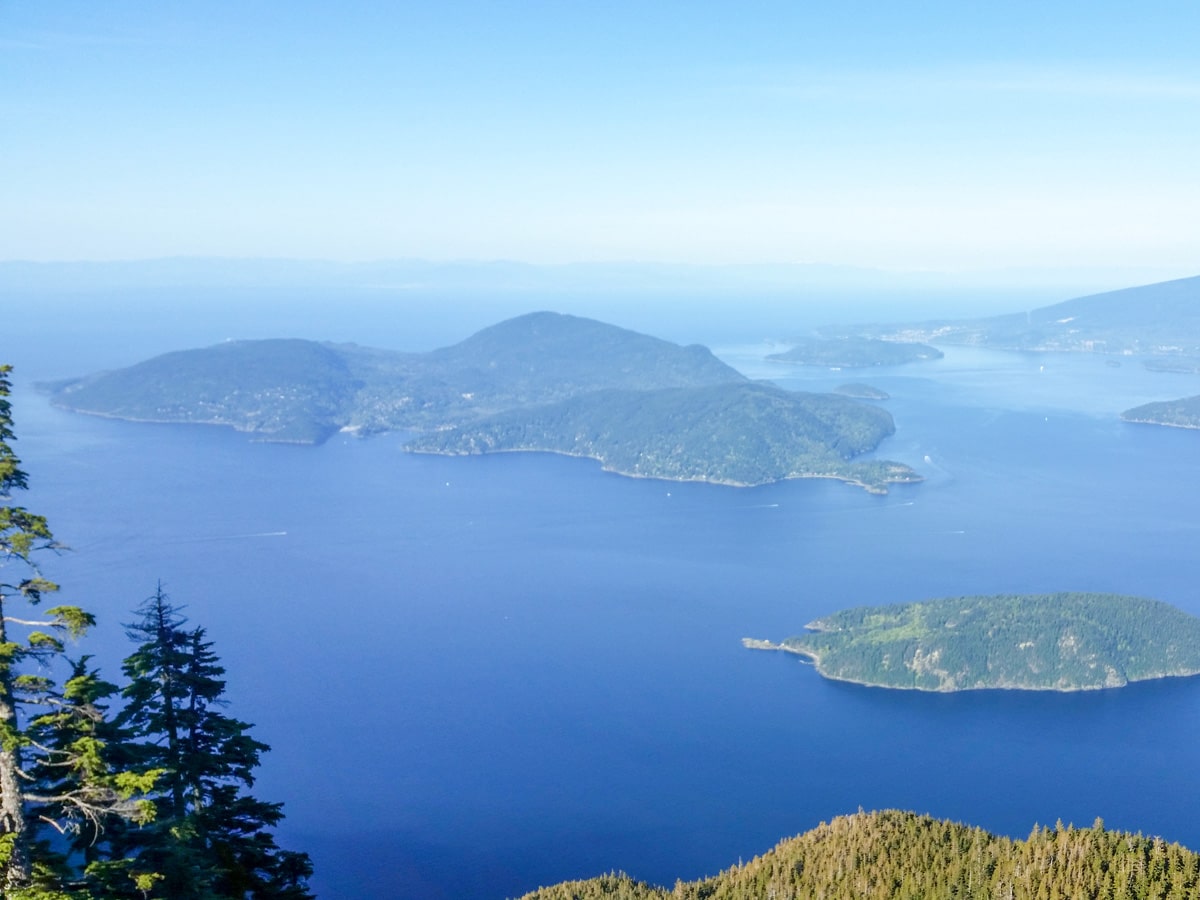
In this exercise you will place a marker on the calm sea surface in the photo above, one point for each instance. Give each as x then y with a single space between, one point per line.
482 675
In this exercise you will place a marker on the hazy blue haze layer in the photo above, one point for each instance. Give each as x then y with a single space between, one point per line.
480 675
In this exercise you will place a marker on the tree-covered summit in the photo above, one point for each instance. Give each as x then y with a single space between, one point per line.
893 855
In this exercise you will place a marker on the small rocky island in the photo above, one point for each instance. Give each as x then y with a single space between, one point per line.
860 391
1034 642
854 352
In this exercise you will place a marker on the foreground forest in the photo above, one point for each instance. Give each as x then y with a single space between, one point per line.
895 855
138 790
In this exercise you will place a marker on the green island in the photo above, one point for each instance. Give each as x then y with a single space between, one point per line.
894 854
1036 642
854 352
540 382
736 434
1183 413
860 391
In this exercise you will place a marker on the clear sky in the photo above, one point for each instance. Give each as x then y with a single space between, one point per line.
943 135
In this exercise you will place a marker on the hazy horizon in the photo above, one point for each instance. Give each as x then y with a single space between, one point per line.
945 138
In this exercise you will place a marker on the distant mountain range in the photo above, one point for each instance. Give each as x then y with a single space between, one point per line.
542 381
510 275
1157 319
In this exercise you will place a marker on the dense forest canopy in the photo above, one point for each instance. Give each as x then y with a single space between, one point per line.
895 855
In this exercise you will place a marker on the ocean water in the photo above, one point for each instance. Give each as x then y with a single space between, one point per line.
480 675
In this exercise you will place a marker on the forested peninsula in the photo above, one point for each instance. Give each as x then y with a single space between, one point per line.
1054 642
1183 413
892 854
540 382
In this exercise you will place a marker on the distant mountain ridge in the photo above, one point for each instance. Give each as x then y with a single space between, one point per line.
540 382
1156 319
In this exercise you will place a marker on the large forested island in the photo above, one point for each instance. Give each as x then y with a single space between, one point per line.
540 382
1055 642
303 391
1183 413
892 854
854 352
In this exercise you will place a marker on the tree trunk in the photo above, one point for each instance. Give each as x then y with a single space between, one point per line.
12 807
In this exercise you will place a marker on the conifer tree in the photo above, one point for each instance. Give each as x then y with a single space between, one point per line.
54 765
211 839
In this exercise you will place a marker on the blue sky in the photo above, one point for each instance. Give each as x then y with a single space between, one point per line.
947 136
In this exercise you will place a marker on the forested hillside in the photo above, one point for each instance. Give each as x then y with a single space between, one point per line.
543 381
302 391
741 434
903 856
1160 319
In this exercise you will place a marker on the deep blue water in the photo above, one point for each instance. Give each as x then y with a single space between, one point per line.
482 675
